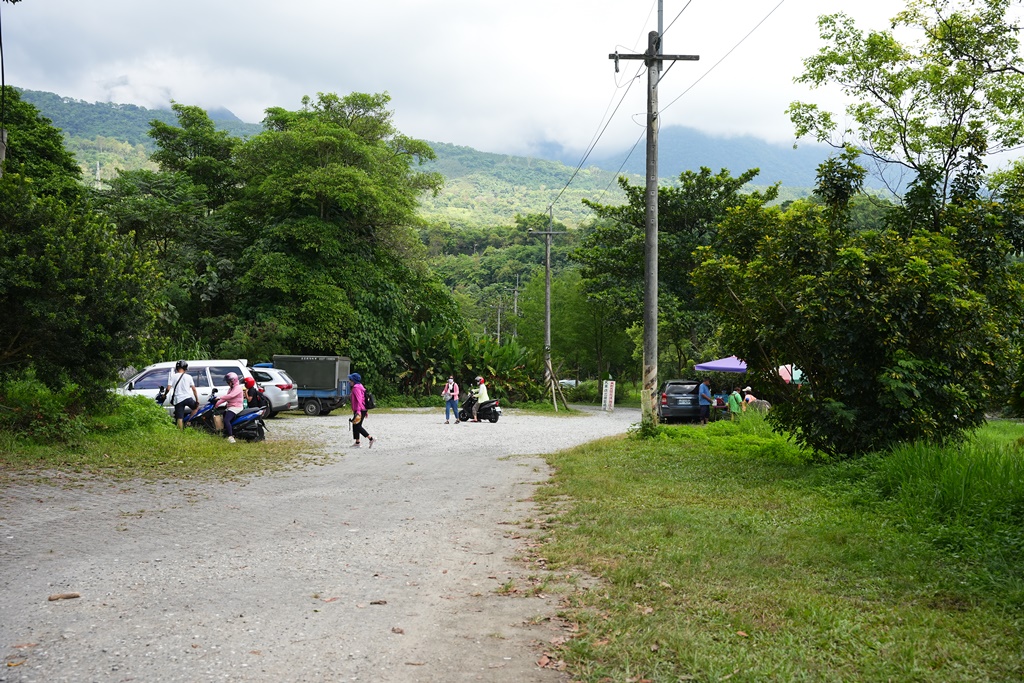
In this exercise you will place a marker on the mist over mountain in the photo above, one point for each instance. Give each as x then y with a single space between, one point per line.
687 149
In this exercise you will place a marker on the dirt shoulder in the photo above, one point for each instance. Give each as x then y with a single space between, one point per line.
384 565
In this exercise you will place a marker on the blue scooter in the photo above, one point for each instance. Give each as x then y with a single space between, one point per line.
247 425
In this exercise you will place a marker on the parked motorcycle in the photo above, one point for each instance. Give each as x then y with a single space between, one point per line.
489 410
247 425
204 417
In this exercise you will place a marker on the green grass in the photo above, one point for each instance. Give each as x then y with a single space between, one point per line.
723 554
139 440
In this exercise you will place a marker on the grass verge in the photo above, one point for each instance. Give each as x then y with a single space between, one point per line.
140 442
724 556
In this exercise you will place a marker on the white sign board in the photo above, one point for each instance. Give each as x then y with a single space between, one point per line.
608 396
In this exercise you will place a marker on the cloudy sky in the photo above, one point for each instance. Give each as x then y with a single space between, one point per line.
497 76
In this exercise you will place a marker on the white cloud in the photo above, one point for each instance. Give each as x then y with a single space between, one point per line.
496 76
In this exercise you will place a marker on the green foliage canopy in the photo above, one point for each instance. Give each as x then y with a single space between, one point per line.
902 333
952 94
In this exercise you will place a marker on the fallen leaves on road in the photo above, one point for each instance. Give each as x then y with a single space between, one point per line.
548 662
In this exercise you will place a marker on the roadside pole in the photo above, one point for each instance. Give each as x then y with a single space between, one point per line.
653 59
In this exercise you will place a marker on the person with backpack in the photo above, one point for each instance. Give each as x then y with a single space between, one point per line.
253 397
358 396
183 383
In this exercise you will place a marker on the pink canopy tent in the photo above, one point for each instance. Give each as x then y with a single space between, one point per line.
730 364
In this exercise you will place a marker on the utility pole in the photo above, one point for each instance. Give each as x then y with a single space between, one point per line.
653 58
549 374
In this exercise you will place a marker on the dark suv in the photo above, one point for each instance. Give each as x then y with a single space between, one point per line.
679 400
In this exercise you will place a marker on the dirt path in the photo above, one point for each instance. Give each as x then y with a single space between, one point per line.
382 566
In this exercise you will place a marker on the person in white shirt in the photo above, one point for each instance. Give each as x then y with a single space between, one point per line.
182 385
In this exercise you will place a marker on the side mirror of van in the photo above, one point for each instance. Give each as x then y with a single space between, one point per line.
131 386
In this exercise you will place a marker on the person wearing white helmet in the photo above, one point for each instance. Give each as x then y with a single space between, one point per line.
232 402
481 396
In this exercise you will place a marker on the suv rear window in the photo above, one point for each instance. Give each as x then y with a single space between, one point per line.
261 376
217 373
676 389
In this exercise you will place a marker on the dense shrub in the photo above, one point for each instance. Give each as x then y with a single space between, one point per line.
31 409
130 413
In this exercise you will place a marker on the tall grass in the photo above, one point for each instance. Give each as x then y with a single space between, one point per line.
977 482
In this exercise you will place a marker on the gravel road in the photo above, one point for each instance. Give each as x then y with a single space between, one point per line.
380 566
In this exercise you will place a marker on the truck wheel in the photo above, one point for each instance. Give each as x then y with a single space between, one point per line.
312 408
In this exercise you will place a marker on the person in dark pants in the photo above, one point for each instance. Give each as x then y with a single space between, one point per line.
183 384
705 400
358 399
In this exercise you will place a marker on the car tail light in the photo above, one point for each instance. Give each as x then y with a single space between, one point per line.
664 399
283 387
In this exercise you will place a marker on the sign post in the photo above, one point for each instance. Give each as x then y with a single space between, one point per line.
608 396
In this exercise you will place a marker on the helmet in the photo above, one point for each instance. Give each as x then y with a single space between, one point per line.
181 365
480 380
231 378
250 382
355 377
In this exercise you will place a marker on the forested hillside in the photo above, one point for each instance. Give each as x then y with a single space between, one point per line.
480 189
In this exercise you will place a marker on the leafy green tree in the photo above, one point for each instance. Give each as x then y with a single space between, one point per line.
953 94
901 333
196 148
75 297
35 149
328 197
587 340
611 254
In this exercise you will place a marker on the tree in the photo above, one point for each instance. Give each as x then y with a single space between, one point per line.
586 339
333 266
75 297
931 105
612 252
901 333
196 148
35 149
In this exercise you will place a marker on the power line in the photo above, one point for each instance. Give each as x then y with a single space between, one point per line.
674 21
591 148
713 66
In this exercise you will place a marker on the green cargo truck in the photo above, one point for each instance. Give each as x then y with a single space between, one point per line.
322 381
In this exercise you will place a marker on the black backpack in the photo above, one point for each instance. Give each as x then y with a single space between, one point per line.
369 401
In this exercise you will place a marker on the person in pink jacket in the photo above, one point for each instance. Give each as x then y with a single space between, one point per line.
358 398
450 394
232 402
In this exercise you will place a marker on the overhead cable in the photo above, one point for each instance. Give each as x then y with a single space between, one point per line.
713 66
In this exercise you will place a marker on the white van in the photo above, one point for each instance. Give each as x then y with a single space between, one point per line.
208 374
